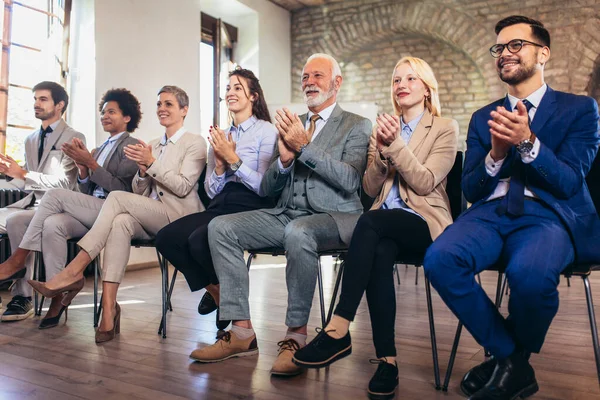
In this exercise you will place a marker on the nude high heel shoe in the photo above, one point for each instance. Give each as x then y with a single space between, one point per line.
105 336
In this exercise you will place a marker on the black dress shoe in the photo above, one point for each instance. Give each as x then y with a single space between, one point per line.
207 304
17 275
478 376
51 322
385 381
323 350
513 378
222 324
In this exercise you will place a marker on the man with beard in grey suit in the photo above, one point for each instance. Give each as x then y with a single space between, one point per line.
317 176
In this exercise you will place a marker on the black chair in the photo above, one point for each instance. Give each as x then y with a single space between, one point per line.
576 269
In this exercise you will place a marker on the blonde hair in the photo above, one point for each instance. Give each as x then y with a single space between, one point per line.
425 74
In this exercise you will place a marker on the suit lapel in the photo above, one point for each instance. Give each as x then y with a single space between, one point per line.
115 147
545 110
421 131
50 142
323 138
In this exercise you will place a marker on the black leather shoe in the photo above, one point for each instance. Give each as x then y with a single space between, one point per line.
222 324
385 381
323 350
207 304
478 376
513 378
17 275
51 322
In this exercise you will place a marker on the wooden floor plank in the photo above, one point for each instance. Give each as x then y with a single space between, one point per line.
64 362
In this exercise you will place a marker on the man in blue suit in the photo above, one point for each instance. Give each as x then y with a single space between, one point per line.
526 161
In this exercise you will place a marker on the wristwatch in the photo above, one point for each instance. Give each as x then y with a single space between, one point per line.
236 165
525 147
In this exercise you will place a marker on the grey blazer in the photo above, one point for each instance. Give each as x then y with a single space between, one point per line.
337 159
116 173
54 170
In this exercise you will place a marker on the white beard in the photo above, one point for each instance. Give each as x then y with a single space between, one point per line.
321 98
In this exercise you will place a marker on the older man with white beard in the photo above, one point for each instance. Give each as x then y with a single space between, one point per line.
316 174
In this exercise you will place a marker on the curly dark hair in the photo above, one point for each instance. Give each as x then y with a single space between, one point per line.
128 103
259 107
537 28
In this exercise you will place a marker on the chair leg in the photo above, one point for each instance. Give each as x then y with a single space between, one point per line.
164 272
434 352
452 356
479 279
321 298
38 302
568 281
171 288
249 262
336 288
417 275
503 290
96 262
593 326
397 273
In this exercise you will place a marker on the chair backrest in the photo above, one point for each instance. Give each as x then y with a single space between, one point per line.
454 188
201 191
593 182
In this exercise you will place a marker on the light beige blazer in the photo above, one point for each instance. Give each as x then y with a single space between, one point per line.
422 164
176 175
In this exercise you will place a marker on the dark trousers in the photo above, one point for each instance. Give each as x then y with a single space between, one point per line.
379 236
534 248
184 242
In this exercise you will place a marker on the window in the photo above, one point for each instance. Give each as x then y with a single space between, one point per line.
34 49
217 45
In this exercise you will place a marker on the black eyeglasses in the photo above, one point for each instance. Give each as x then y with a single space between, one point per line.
514 46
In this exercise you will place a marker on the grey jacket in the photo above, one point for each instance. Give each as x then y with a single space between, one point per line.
55 169
118 171
337 159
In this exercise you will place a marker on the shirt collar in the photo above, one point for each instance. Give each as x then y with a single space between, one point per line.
244 126
114 138
412 124
534 98
53 125
173 138
324 114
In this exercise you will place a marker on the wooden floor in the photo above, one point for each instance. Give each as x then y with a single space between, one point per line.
65 363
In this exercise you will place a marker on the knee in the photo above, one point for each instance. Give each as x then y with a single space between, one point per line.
438 261
198 239
53 225
221 229
17 223
531 286
162 239
125 223
296 239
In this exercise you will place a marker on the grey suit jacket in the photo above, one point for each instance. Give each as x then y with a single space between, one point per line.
54 170
117 172
337 158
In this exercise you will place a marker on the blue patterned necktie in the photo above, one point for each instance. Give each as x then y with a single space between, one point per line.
514 201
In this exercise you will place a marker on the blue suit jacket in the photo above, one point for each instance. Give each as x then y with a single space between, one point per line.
567 128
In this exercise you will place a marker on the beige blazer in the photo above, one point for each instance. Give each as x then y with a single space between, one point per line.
422 164
176 175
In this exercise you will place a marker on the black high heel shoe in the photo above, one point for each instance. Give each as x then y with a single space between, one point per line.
53 321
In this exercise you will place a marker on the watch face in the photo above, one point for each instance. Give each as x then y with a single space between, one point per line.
524 147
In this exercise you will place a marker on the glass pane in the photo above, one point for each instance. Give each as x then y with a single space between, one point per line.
207 88
29 28
39 4
20 107
15 143
28 67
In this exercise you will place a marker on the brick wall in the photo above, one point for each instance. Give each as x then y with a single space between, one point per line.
368 37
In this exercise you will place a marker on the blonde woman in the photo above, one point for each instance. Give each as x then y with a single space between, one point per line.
165 189
410 154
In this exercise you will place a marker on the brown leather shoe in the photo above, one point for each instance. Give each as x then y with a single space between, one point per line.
227 346
283 365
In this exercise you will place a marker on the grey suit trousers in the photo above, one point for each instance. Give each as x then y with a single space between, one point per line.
61 215
301 233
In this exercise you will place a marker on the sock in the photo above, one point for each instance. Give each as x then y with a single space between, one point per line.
242 333
338 327
298 337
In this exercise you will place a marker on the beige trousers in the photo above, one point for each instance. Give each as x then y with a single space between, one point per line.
124 216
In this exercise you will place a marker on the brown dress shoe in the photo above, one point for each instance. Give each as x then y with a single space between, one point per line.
227 346
283 365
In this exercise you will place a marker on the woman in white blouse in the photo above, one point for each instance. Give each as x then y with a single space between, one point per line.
237 159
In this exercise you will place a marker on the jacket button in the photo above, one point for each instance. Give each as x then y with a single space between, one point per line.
303 194
406 200
154 175
295 194
295 180
161 193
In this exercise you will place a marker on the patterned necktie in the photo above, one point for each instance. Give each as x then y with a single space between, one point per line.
514 201
43 133
311 127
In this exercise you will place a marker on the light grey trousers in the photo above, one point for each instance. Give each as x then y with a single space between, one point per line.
301 233
14 221
61 215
